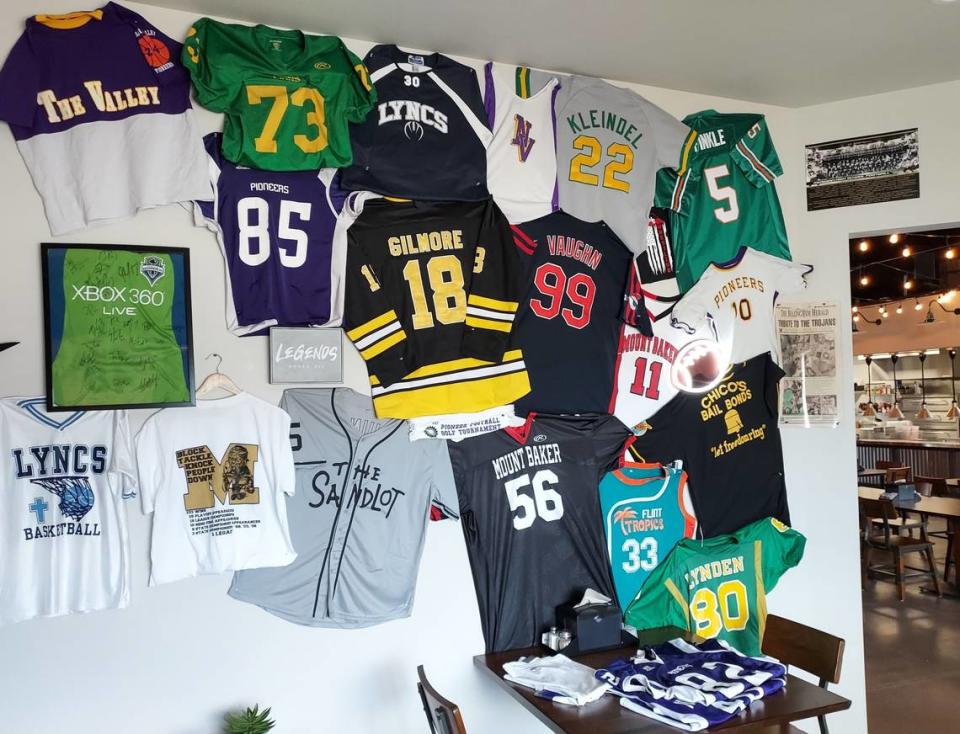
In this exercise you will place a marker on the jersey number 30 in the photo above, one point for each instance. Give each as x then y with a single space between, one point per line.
546 503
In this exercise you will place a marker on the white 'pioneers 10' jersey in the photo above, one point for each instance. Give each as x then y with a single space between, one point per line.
522 156
64 545
739 297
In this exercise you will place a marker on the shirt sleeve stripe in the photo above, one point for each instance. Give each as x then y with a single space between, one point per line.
492 303
754 162
486 313
383 345
685 152
678 597
372 325
476 323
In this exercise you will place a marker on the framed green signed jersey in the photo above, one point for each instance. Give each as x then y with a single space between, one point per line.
118 328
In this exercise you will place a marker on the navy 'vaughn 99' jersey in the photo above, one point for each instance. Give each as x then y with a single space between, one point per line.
276 231
569 322
532 521
426 138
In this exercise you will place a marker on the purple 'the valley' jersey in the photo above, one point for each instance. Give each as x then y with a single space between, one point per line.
100 109
277 230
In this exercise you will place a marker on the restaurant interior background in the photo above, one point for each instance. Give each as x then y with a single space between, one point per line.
183 653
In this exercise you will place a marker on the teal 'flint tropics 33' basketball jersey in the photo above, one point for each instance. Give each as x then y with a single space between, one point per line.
646 511
726 197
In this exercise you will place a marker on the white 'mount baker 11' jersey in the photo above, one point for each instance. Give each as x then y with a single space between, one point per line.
63 528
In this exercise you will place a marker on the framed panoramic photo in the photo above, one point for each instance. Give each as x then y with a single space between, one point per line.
117 327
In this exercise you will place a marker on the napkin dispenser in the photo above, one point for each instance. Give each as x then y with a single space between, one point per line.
593 626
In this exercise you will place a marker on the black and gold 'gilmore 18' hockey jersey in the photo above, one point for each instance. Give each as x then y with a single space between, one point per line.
432 291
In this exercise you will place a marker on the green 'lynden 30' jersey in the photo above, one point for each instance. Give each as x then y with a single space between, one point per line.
726 197
288 97
718 587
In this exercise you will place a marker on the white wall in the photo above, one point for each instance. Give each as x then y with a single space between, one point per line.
140 670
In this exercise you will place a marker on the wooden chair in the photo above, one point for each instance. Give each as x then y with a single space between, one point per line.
442 715
809 649
937 487
896 474
900 546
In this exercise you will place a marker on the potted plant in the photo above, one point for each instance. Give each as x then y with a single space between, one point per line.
251 721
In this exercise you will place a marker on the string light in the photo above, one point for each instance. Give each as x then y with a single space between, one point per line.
907 284
899 308
864 280
856 318
894 239
950 253
906 251
855 309
864 246
885 314
918 306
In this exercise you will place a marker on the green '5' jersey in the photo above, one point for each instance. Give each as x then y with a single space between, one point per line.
726 197
718 587
288 97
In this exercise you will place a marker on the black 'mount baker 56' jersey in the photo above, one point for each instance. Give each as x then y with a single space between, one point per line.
530 509
426 138
432 291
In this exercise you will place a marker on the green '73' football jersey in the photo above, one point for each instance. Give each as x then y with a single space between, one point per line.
718 587
726 197
288 97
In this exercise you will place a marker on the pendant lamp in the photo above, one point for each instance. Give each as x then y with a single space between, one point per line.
895 413
923 414
869 410
954 412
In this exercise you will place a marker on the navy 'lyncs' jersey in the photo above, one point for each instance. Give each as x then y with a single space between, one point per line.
277 232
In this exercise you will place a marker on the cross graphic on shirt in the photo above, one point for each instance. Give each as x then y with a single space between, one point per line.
39 508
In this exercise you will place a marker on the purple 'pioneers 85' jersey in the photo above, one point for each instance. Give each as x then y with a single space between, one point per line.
100 109
276 230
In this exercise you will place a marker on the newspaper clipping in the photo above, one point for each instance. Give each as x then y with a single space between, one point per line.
865 170
810 389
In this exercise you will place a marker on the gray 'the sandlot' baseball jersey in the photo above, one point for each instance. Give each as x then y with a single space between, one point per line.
610 144
358 542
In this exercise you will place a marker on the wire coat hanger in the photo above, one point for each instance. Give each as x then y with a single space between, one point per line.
217 380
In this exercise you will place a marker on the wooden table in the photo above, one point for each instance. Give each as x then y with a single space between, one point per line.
945 507
872 475
799 700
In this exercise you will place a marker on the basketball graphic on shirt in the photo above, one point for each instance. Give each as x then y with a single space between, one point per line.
154 51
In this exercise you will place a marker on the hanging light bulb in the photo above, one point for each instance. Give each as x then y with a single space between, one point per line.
864 246
868 410
923 414
899 308
917 306
894 238
856 318
907 284
885 314
864 280
895 413
855 309
906 251
954 412
950 253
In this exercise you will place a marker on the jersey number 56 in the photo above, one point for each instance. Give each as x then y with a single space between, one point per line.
546 503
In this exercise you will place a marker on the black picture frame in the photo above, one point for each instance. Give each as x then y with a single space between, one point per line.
184 341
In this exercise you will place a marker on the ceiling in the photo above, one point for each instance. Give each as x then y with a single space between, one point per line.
783 52
932 266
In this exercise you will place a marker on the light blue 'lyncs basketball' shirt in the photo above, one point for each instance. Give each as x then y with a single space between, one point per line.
646 511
